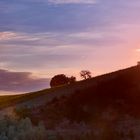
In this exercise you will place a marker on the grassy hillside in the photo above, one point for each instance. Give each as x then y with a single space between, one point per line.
117 93
102 108
131 75
9 100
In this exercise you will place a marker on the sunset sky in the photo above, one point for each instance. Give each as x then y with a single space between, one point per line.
42 38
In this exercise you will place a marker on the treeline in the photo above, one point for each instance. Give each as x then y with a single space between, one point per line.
62 79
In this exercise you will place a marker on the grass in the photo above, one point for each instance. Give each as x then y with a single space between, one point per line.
9 100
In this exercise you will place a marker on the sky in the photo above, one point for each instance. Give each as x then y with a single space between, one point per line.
42 38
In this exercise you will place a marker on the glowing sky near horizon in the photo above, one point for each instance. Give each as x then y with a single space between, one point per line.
41 38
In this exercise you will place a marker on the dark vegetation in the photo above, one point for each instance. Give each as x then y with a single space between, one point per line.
117 93
62 79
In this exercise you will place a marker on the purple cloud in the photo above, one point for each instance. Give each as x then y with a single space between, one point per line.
21 81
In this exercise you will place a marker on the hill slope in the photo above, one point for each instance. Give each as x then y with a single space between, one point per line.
102 108
129 77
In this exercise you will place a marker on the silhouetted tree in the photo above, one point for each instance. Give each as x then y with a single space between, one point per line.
72 79
58 80
85 74
62 79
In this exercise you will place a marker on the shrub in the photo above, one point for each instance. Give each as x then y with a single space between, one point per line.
11 129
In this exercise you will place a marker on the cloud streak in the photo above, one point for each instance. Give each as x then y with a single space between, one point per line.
72 1
21 81
36 51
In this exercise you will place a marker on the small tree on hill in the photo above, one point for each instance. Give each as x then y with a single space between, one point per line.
62 79
85 74
58 80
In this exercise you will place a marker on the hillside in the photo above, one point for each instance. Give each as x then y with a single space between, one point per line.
131 74
101 108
